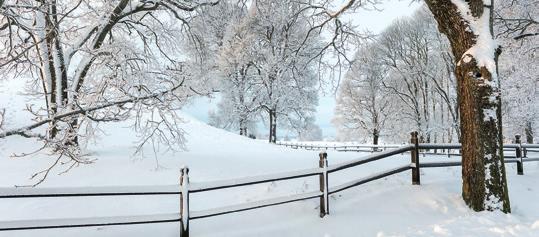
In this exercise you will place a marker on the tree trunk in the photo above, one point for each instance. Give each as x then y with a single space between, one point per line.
243 129
375 136
273 126
483 171
528 130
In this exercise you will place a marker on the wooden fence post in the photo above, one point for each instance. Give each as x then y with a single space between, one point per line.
184 202
518 153
415 159
324 200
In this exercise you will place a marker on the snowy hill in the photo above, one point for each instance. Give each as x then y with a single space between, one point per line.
387 207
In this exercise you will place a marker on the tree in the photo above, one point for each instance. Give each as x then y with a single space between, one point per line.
416 76
236 66
285 61
517 31
420 75
99 61
363 105
309 131
469 27
265 63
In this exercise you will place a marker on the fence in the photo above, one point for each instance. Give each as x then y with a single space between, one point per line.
341 147
185 188
344 147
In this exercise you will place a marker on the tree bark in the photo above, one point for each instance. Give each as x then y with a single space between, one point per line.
483 171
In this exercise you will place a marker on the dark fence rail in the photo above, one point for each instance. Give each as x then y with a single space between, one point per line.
185 187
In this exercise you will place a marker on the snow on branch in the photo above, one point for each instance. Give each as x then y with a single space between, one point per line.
485 47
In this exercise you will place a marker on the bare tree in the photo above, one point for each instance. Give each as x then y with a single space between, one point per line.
363 106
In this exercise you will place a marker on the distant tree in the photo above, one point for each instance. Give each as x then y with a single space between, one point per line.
265 62
311 132
421 74
286 60
363 106
416 77
239 85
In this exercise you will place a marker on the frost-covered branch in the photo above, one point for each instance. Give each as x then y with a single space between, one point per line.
25 131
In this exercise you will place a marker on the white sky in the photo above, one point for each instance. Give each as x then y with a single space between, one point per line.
372 20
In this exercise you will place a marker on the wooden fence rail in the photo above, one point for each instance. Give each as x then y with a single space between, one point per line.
185 188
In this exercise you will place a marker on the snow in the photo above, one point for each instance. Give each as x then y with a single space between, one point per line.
485 47
387 207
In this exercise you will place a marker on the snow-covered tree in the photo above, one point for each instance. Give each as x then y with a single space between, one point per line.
286 53
517 30
265 64
363 106
99 61
421 75
416 74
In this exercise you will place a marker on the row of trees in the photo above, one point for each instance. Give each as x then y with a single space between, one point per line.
402 81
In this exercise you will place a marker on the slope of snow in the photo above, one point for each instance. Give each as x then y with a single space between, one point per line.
387 207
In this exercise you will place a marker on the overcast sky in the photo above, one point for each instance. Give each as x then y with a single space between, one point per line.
372 20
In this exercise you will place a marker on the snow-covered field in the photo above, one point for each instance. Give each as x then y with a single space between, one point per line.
387 207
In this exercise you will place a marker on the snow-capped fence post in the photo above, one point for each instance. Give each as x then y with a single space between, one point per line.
415 158
184 202
518 154
324 200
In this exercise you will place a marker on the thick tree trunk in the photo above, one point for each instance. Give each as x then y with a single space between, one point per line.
483 171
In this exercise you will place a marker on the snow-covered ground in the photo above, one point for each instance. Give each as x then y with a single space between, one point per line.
387 207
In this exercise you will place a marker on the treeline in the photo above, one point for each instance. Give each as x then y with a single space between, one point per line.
404 81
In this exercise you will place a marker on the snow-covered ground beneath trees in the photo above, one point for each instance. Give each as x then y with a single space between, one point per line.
387 207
